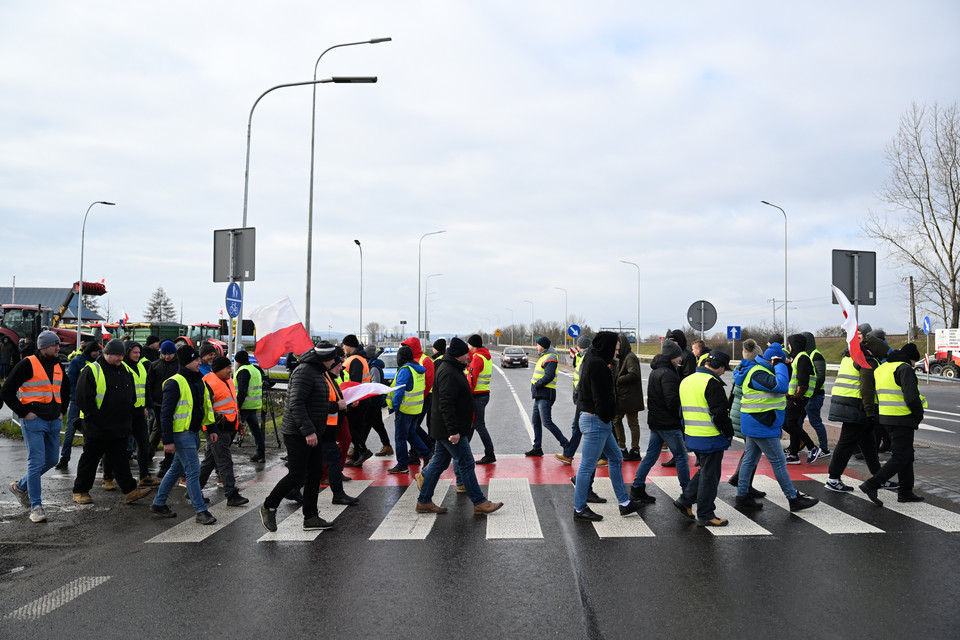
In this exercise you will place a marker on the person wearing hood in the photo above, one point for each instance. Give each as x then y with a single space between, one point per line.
186 408
749 352
158 372
583 345
764 380
708 431
815 404
150 350
375 414
133 363
481 372
688 363
315 410
598 406
629 400
803 381
357 369
882 350
107 397
543 389
91 351
248 381
663 419
427 363
407 405
900 409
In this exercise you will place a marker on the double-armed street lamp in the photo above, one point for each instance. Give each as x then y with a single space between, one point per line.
419 261
83 231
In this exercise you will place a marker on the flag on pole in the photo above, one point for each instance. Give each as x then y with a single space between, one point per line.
279 331
124 319
850 326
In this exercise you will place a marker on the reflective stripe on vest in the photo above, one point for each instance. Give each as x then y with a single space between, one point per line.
889 394
847 384
576 369
332 397
254 397
697 420
539 371
346 368
139 382
754 401
184 408
794 383
412 403
39 388
101 383
224 396
424 358
483 380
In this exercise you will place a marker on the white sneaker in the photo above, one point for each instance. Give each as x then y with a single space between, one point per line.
37 515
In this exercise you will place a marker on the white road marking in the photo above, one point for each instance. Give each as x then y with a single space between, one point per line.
920 511
518 517
45 604
523 411
290 529
927 427
613 524
403 522
739 524
822 516
190 531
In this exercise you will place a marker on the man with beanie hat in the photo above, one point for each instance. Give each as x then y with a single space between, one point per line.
107 397
158 372
227 416
133 362
480 375
688 366
248 381
187 407
450 428
207 353
151 349
439 347
90 353
357 369
427 363
815 404
37 391
406 403
543 389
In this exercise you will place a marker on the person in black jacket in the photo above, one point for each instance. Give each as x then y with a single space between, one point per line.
314 414
802 374
157 373
598 406
664 420
107 422
450 425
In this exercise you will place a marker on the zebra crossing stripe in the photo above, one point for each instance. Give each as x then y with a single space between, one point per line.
57 598
290 529
518 517
190 531
919 511
613 524
523 412
822 516
739 524
403 522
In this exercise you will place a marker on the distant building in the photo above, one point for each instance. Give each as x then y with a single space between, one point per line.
51 297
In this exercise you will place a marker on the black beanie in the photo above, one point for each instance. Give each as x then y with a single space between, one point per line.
350 340
219 363
457 348
186 354
206 349
404 355
910 352
475 341
544 342
440 344
242 357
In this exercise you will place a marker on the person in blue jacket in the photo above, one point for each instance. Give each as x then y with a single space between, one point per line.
405 424
765 381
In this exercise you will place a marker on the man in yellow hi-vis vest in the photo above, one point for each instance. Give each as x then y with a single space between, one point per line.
406 403
543 388
481 375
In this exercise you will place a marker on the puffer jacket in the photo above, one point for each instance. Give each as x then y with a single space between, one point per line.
308 398
452 410
663 395
768 423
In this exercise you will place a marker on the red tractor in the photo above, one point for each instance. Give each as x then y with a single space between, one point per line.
203 332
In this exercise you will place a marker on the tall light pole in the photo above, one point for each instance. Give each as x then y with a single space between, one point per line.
638 297
246 174
563 325
532 314
785 298
83 231
357 242
313 129
511 324
426 295
419 256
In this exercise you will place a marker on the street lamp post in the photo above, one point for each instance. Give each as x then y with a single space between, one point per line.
83 231
419 255
313 129
638 297
357 242
511 324
785 298
426 296
532 315
563 325
246 174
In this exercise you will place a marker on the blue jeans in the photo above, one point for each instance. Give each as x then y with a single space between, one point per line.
186 462
598 438
771 448
480 423
73 414
814 405
42 439
404 431
674 440
542 408
574 442
462 456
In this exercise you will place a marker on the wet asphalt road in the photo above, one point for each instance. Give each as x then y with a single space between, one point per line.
796 580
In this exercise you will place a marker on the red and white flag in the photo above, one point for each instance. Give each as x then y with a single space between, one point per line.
355 391
279 331
850 326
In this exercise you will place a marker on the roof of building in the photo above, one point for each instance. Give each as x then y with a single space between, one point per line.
51 297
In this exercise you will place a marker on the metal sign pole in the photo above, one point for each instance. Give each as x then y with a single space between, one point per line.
233 274
702 320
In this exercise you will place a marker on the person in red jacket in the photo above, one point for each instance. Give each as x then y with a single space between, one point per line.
481 375
426 362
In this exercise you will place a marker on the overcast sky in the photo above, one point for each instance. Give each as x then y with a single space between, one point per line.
551 140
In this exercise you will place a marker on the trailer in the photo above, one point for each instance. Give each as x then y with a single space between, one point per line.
945 360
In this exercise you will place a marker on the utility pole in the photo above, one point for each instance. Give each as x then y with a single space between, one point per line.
913 313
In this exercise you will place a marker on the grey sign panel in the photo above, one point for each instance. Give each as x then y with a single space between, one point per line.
244 249
702 315
855 273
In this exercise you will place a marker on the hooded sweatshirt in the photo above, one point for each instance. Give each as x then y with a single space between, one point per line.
819 362
629 385
803 365
688 364
596 390
768 423
427 363
476 368
663 395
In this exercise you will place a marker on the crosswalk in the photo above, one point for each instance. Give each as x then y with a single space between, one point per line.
522 519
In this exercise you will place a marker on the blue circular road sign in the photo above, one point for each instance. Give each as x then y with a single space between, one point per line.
233 299
926 324
573 331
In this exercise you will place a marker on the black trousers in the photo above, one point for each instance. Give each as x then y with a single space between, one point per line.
96 447
793 424
373 421
305 467
702 489
852 435
356 419
900 463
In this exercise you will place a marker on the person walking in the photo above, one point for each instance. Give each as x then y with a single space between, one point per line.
375 414
688 366
90 353
37 391
803 381
481 374
356 369
158 372
248 381
583 344
227 416
427 363
450 427
543 389
815 403
708 432
406 403
8 354
107 397
629 400
133 363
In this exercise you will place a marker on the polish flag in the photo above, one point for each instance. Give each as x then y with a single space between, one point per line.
356 391
279 331
850 326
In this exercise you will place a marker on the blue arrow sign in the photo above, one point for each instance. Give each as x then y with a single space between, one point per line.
733 333
573 331
233 299
926 324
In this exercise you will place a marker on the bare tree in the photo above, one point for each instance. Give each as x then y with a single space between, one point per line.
160 307
923 192
375 331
